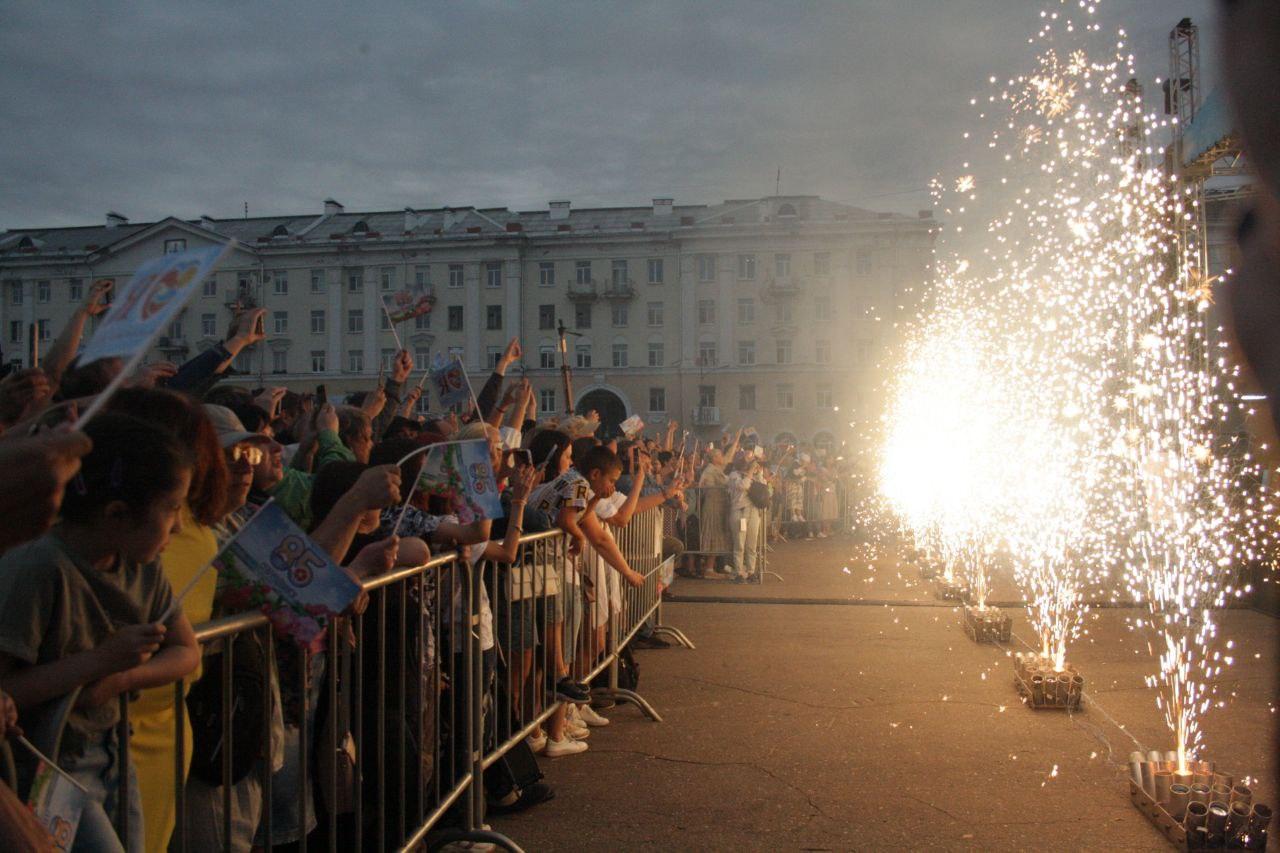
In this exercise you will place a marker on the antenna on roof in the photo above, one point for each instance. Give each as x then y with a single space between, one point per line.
777 184
246 210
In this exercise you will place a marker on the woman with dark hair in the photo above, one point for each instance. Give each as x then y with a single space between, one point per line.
189 550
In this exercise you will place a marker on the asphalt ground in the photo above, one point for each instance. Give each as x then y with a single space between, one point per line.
876 724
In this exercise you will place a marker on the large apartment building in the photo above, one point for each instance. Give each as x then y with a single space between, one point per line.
769 312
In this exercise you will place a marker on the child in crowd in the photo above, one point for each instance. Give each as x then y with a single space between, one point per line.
86 609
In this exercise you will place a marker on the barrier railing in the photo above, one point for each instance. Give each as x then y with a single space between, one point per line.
714 529
409 704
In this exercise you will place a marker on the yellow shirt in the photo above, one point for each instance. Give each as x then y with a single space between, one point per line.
153 746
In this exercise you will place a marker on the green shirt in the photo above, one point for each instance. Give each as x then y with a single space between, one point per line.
53 605
293 493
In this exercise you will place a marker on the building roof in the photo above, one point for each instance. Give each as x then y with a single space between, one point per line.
378 227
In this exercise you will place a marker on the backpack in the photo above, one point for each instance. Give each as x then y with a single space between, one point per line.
628 672
758 494
248 708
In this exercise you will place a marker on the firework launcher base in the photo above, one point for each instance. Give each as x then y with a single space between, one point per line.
1041 686
950 591
928 570
986 625
1200 810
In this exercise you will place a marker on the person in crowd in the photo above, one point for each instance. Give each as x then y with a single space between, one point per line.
744 516
713 511
117 628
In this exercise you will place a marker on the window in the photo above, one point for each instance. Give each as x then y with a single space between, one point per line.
546 357
209 289
355 321
493 317
784 352
15 331
747 267
355 281
823 391
422 321
746 352
280 322
172 247
455 318
619 355
422 359
747 398
862 350
280 361
657 399
244 362
455 354
582 272
175 328
782 266
706 267
620 272
547 400
44 291
822 263
655 270
280 283
457 275
15 293
317 322
706 396
209 325
619 312
384 321
387 279
583 354
494 356
707 354
822 351
493 273
355 361
746 312
655 313
317 361
706 312
546 316
785 313
317 281
388 357
657 355
421 278
862 262
821 306
786 396
582 316
546 274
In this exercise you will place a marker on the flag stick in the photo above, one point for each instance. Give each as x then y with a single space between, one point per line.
47 760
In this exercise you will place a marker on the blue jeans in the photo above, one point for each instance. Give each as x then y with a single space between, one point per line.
98 769
287 783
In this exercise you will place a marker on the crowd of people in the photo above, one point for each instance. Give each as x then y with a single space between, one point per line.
105 524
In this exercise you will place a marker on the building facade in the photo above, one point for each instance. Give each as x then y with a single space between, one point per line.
770 312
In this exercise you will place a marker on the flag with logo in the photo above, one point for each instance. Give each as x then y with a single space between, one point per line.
272 566
631 426
57 801
450 381
461 474
407 304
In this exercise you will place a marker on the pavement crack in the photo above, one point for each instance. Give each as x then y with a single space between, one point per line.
817 809
857 704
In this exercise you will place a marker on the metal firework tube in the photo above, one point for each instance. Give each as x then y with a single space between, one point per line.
1237 818
1179 796
1197 814
1241 794
1148 779
1217 821
1135 769
1064 688
1259 818
1200 794
1037 690
1163 781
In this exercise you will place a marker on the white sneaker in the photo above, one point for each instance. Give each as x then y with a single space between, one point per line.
470 846
577 732
568 746
589 716
537 742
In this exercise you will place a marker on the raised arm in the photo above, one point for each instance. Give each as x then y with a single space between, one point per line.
68 342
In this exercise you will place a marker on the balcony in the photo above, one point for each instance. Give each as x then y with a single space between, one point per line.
621 289
583 291
706 416
776 289
172 344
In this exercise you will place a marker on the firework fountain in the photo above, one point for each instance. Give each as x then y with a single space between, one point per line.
1063 396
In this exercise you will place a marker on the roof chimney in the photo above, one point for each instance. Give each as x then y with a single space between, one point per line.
332 208
114 219
410 219
662 206
559 210
206 221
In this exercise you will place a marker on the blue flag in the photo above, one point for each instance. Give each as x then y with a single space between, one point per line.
57 801
450 381
461 473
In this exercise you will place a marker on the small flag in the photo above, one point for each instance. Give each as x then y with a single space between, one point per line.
450 381
460 473
632 425
274 567
407 304
56 799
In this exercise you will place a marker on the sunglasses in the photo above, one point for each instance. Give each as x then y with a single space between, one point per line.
250 453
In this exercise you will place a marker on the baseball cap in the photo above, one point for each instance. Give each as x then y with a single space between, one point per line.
230 430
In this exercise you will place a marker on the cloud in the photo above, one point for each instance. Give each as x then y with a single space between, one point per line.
159 108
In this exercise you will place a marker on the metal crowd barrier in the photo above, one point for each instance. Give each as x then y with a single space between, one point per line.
709 529
427 709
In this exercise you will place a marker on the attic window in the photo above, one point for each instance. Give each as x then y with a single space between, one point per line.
26 243
360 227
279 231
786 210
727 220
473 229
564 226
686 220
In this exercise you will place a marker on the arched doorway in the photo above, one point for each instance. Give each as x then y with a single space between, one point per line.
608 405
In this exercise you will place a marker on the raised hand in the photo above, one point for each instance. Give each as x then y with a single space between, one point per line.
510 355
99 293
402 366
378 487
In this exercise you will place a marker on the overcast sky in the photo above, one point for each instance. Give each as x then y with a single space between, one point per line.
163 108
